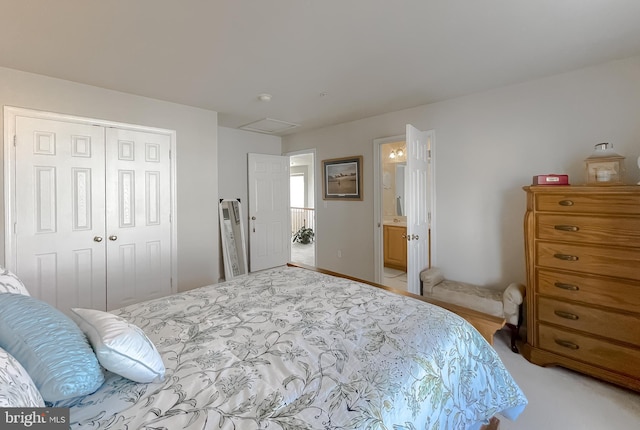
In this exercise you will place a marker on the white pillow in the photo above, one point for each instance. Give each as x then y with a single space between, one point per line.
120 346
17 389
10 283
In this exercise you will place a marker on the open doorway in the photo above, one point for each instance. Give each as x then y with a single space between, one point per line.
302 203
393 162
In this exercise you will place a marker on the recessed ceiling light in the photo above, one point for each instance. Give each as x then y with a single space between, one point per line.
264 97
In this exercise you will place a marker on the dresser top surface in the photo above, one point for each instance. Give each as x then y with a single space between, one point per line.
582 189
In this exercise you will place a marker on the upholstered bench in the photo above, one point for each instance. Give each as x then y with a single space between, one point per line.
505 303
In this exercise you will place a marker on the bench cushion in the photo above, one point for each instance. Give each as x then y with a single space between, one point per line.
470 296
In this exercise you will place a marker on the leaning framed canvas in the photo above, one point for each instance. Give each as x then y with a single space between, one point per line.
342 178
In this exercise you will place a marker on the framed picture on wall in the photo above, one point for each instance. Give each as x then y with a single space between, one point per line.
342 178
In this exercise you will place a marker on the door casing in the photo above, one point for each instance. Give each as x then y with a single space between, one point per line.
315 196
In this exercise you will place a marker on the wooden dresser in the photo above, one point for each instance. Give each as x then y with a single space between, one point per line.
583 272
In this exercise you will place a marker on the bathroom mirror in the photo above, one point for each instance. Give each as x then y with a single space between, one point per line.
399 202
234 251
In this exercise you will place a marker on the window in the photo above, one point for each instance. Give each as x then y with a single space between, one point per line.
296 191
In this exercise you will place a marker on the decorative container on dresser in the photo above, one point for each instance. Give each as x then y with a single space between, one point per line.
582 247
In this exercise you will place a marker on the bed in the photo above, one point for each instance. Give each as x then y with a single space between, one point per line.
290 348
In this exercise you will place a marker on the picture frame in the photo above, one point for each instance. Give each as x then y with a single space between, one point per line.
342 178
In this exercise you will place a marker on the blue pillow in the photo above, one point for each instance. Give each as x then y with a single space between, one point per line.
50 346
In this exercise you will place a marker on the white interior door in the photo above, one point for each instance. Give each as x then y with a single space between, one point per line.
138 239
59 221
418 204
88 209
269 217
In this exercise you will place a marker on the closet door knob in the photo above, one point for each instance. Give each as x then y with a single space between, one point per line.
97 238
113 237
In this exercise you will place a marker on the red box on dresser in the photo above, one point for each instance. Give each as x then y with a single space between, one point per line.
551 179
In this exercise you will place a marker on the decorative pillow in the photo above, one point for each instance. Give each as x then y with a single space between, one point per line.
17 390
10 283
120 346
50 347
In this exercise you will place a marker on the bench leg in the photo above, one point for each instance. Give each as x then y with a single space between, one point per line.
515 330
514 335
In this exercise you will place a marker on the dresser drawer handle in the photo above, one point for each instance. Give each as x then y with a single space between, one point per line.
567 344
566 257
566 315
565 202
566 286
566 227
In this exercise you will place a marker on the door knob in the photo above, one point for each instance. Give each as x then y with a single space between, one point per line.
97 238
415 236
253 218
113 237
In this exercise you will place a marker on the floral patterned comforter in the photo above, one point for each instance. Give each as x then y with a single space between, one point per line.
290 348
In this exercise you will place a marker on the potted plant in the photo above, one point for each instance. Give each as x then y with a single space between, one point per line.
304 235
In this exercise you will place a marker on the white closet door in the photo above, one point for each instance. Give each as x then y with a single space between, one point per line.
59 212
138 216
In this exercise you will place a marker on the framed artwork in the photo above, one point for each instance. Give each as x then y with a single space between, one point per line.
342 178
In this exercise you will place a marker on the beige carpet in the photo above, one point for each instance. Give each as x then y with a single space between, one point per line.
303 253
560 399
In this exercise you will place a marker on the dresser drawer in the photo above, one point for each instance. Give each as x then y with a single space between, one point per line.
590 350
590 289
599 260
605 230
622 327
605 202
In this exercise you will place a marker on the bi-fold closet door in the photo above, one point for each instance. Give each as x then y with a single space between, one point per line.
92 213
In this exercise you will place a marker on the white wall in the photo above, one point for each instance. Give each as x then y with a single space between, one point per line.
488 146
196 147
233 147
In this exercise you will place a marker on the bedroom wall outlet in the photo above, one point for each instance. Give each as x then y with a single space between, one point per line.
339 253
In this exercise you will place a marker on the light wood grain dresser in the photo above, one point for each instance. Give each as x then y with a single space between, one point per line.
582 249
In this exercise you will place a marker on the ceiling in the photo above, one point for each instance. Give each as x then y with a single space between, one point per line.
323 61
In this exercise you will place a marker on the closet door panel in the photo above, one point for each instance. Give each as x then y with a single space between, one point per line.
59 211
138 216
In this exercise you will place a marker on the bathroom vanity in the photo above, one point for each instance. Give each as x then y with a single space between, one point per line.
395 246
